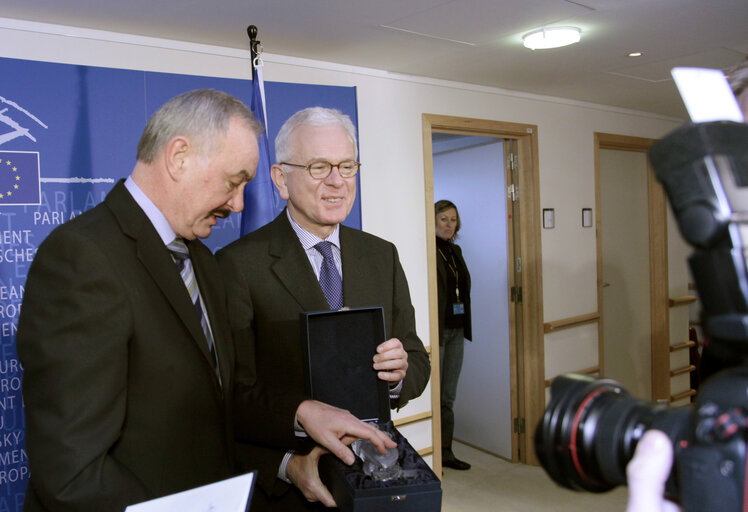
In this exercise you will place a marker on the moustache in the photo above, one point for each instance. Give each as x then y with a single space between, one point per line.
221 213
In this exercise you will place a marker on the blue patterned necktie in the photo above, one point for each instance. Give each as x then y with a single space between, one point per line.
181 256
329 278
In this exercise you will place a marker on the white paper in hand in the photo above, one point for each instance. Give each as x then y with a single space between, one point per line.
232 495
707 95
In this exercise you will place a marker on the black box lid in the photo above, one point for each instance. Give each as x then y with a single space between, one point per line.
339 347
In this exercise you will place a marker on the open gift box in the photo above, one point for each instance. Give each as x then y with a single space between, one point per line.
338 348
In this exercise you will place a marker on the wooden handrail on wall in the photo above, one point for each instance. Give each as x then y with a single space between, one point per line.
574 321
685 394
685 369
412 419
585 371
681 346
682 301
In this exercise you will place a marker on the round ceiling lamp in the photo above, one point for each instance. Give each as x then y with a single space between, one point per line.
554 37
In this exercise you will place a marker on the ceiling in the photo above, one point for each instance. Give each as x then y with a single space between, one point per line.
471 41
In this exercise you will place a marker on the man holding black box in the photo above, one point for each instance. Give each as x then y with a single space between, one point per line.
305 260
124 336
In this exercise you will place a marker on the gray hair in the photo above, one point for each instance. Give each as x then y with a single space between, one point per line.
738 77
312 116
200 114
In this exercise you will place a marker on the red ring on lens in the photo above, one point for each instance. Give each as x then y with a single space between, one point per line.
575 426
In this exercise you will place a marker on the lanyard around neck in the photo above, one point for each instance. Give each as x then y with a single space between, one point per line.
453 267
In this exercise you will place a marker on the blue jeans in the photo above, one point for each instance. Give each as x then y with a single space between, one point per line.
451 350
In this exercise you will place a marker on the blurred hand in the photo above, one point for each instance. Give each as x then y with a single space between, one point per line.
335 428
647 473
303 471
391 361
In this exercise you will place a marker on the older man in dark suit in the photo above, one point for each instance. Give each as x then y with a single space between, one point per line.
129 385
281 270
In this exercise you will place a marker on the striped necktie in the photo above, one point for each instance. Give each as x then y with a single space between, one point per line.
329 278
181 256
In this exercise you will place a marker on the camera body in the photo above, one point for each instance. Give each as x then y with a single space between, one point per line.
710 464
591 426
590 430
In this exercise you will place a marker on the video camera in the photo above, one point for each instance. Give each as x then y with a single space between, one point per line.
591 427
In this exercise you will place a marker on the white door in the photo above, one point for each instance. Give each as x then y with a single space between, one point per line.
624 217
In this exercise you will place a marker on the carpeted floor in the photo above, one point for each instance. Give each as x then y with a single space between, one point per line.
495 485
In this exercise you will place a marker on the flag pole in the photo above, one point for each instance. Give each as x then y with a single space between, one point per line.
261 200
253 43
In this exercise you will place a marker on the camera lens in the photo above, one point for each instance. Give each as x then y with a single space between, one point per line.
590 430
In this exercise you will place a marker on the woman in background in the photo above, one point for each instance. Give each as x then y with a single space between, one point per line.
454 320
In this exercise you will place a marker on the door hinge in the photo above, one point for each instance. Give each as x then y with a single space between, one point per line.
512 192
519 425
516 292
519 265
513 161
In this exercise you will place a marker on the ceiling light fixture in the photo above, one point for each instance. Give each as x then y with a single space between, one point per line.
636 54
554 37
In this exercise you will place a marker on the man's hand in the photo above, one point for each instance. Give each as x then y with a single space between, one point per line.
391 361
647 473
303 471
335 428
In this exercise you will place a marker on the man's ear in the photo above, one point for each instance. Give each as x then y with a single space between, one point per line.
176 154
280 178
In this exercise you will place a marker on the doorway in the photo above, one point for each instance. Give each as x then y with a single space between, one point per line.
469 171
522 291
654 342
624 236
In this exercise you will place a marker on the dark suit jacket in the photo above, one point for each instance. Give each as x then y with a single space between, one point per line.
122 403
270 282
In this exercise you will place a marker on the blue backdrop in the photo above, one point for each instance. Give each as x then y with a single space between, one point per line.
67 134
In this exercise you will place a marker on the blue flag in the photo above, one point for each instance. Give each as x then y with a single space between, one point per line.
19 177
261 200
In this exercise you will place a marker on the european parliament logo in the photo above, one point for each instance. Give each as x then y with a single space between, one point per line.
19 178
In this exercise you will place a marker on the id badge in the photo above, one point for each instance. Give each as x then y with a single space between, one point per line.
458 308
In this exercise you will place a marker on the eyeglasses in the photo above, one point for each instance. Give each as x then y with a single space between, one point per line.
321 169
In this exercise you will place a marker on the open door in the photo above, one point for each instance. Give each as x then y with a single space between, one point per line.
524 284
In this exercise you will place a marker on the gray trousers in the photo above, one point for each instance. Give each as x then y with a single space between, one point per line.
451 350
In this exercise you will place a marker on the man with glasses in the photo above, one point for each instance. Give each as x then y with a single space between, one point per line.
124 336
305 260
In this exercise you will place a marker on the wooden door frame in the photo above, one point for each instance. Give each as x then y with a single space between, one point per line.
658 262
527 365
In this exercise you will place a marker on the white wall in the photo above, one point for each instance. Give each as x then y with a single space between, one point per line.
390 108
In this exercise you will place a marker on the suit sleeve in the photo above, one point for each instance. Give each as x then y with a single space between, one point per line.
73 343
404 328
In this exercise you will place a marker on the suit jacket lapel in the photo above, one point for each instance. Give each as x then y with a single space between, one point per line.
155 257
292 266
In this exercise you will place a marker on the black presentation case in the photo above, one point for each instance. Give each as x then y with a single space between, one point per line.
338 349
